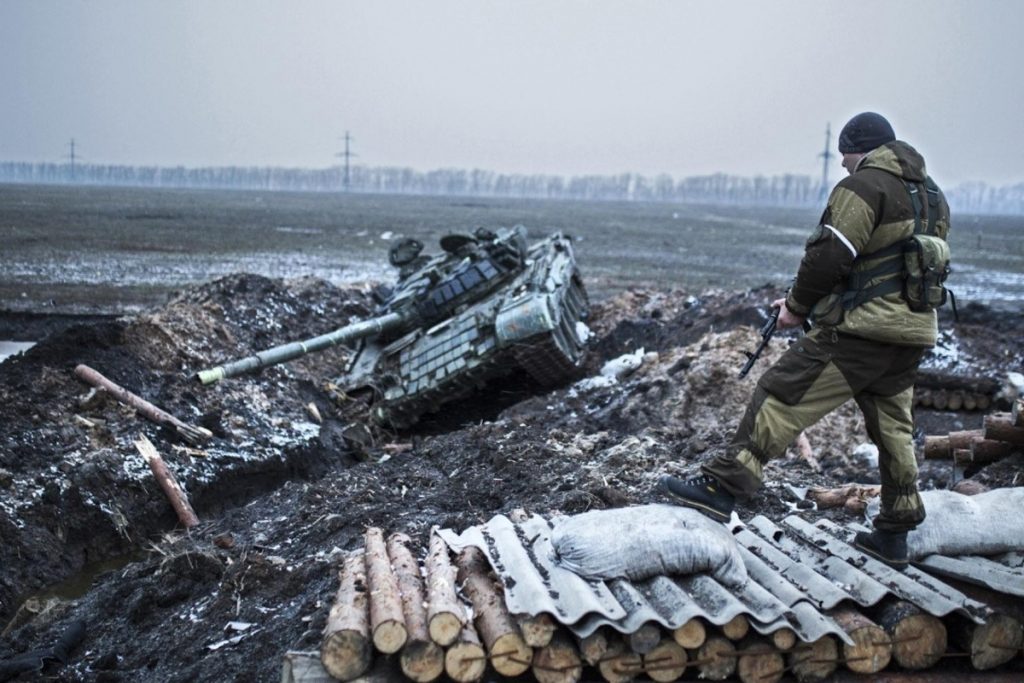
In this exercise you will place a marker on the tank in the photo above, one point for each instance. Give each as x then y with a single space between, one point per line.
487 305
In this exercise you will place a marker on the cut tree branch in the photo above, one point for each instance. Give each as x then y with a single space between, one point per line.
165 478
194 435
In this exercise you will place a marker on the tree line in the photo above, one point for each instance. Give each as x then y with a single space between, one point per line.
719 188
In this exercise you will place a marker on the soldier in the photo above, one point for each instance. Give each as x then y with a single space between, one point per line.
870 332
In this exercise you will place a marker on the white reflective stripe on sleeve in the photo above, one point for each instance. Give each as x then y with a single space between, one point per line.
842 238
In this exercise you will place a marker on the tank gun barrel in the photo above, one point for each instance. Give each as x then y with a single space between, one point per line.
291 350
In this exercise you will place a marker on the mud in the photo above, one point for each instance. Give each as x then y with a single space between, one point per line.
281 495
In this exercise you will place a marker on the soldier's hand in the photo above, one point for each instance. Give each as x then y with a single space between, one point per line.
787 318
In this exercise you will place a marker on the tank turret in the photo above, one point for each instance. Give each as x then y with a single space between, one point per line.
487 305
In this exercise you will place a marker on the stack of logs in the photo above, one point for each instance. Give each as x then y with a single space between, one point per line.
1002 435
952 392
384 603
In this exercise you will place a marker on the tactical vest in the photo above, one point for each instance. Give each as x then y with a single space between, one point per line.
916 267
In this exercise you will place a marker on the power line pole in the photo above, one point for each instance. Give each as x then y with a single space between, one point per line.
72 157
347 154
827 157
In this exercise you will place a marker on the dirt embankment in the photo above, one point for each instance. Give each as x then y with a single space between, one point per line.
280 494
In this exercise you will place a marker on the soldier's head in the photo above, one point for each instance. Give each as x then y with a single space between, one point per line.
861 134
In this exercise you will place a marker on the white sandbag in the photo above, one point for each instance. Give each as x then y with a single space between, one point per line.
986 524
644 541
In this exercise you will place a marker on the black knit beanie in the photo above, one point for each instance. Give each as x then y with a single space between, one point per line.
864 132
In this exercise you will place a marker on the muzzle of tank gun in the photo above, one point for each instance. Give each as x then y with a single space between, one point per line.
212 375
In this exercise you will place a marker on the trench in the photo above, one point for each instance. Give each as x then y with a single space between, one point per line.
79 543
65 540
10 348
75 586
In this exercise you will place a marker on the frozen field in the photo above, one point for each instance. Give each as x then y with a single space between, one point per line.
94 249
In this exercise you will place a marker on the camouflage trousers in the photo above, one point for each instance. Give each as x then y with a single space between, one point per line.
820 372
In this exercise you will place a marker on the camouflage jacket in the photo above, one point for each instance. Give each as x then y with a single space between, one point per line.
866 212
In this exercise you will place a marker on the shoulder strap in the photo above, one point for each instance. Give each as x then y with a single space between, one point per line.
933 204
915 199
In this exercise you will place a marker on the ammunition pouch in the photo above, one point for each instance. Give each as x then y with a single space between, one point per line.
926 260
916 268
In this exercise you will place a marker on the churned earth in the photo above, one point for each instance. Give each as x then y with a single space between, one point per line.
282 490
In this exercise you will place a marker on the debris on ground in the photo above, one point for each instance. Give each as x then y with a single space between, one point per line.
291 479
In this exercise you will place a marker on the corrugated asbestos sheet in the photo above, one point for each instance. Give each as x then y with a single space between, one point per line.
1002 573
797 570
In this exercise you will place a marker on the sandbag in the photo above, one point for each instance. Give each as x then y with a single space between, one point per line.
955 524
637 543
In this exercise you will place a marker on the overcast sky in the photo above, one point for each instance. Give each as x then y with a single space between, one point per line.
531 87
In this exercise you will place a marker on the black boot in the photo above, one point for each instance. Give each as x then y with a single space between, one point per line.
704 494
889 547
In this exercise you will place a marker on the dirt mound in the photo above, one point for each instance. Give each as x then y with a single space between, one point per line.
280 495
71 489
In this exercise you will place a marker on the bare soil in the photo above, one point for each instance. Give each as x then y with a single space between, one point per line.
87 535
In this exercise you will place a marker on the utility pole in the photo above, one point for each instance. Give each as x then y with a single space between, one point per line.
827 157
347 154
72 157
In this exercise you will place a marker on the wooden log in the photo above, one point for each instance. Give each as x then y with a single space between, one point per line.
759 662
194 435
970 401
969 487
803 448
1018 413
999 638
855 507
827 498
940 399
962 455
942 447
918 638
736 628
923 398
813 662
956 401
558 661
872 647
508 652
620 664
387 622
690 635
168 484
465 660
665 662
345 649
783 639
932 379
445 614
1001 427
645 638
594 647
995 642
983 452
538 629
984 401
936 447
716 658
422 659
